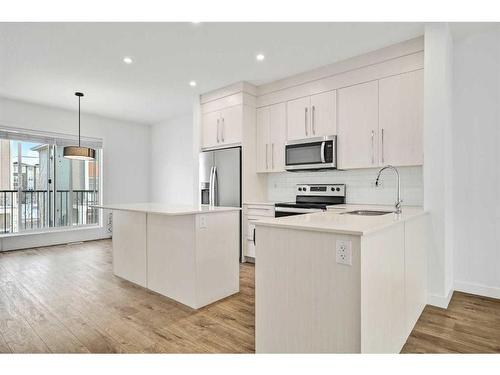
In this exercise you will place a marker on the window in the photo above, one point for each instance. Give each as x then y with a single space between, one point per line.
41 189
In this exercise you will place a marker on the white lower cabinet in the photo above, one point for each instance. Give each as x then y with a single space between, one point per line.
251 214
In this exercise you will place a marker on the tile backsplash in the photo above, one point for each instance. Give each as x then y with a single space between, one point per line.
360 185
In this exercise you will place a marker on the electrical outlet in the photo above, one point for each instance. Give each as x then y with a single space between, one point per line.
343 252
203 221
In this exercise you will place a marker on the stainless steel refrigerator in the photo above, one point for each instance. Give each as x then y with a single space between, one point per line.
220 178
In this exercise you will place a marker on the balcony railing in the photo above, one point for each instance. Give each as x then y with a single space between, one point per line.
36 209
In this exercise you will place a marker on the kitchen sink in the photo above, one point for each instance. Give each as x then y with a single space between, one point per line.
368 212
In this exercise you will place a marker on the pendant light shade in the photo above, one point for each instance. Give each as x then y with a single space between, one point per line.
79 152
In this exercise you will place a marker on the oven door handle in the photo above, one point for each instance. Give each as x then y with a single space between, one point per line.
297 210
323 151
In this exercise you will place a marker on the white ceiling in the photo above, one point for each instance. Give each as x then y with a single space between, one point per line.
47 62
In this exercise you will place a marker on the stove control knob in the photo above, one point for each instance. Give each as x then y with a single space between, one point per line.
333 189
338 189
300 189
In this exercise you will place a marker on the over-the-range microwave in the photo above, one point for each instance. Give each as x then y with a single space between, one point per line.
311 154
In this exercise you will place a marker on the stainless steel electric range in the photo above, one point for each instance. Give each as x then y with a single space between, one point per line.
312 198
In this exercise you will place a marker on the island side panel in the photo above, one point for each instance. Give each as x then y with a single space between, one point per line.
383 312
306 302
129 246
217 256
171 257
416 246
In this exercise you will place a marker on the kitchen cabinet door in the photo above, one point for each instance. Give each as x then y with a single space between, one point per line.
324 114
231 124
401 119
210 129
277 137
298 118
358 126
262 146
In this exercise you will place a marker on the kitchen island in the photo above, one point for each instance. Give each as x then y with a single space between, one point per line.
335 282
187 253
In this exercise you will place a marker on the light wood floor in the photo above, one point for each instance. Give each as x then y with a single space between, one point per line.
65 299
470 324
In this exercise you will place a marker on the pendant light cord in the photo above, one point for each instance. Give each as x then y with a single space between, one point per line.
79 121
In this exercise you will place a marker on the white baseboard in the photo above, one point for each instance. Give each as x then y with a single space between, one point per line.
479 289
439 301
49 238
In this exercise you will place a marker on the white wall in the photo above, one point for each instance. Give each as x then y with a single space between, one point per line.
173 162
126 174
476 139
438 166
360 185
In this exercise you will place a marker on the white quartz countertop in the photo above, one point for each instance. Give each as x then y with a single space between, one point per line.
167 209
334 220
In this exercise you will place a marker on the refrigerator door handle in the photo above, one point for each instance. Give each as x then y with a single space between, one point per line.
211 188
216 188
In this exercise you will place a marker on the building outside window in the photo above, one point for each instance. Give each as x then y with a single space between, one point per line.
40 189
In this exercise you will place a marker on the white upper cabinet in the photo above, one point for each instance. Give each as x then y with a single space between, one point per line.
277 128
312 116
324 114
271 137
357 143
298 118
401 119
263 139
231 124
224 127
381 122
210 129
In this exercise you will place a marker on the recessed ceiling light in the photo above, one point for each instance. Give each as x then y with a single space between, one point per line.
192 83
127 60
260 57
196 22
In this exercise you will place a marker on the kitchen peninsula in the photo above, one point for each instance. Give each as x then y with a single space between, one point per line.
352 279
187 253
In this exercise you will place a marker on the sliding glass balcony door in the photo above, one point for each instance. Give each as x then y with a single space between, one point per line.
40 189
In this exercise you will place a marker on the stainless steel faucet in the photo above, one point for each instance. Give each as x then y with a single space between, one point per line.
397 205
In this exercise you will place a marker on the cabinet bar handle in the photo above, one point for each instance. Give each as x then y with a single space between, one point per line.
267 163
305 119
313 120
223 127
217 130
382 145
373 149
272 155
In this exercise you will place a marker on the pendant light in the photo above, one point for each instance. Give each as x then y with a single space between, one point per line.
78 152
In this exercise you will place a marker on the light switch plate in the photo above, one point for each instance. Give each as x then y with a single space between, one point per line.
203 221
343 252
